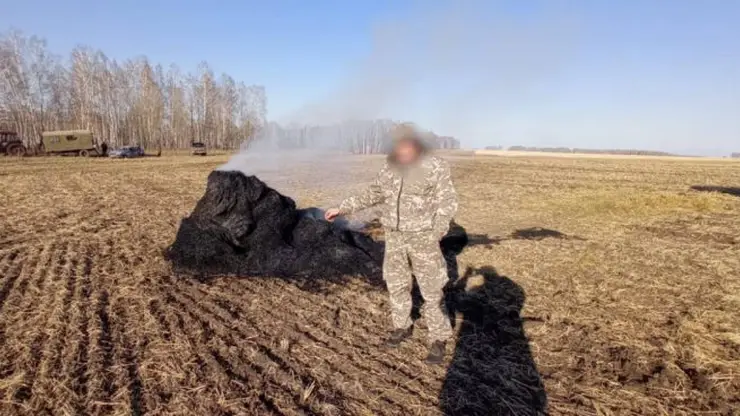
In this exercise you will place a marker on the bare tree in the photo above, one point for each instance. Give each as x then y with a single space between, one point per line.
138 102
122 103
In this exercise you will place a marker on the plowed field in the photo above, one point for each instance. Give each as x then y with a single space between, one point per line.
630 286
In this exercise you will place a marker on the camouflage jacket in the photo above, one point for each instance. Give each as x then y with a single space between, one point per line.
420 199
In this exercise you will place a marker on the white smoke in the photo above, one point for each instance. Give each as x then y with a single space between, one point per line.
450 67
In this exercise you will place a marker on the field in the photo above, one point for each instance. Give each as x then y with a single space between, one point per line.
630 284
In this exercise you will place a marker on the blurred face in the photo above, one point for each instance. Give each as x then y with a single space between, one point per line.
406 153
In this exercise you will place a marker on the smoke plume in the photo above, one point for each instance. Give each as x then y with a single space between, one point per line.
451 67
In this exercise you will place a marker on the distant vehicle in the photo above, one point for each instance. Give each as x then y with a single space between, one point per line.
70 142
127 152
11 144
199 149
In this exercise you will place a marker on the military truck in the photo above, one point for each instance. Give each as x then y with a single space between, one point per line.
11 144
198 149
70 142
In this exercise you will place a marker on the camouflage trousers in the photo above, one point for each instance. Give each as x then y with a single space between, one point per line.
408 253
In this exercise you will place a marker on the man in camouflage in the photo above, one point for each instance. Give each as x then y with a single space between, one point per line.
418 201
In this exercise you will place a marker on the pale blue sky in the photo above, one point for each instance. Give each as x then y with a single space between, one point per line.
620 74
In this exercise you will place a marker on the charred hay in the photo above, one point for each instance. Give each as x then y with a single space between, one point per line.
242 226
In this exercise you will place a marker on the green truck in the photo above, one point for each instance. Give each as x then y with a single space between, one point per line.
71 142
11 144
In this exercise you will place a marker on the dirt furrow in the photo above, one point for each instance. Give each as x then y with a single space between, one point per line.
330 303
155 309
358 365
328 369
393 364
351 297
59 325
48 288
97 377
355 364
11 270
257 368
255 337
199 376
21 270
127 353
123 345
100 375
106 260
7 259
51 372
11 273
74 361
211 374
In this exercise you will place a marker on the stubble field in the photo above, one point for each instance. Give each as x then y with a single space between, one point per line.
616 290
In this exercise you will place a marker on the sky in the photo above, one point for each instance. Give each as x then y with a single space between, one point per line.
660 74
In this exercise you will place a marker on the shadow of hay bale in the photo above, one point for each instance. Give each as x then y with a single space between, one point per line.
538 233
531 234
492 370
734 191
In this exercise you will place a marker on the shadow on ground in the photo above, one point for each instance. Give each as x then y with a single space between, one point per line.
734 191
457 239
532 234
492 370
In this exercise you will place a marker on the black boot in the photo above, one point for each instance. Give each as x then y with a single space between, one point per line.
436 353
398 336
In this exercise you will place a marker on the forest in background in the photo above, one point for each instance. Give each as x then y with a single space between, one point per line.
139 102
130 102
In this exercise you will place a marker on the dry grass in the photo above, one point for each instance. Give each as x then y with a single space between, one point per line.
531 154
637 313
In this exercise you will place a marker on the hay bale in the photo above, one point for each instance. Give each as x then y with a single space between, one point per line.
242 226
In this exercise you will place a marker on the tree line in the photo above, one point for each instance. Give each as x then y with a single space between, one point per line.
139 102
128 102
630 152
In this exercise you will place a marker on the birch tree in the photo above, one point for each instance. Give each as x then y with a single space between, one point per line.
136 101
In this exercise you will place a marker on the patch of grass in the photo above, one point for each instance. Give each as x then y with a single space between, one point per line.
630 204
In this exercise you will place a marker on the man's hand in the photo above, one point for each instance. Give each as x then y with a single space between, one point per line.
331 214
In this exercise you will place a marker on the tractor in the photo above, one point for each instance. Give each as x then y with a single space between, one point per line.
11 144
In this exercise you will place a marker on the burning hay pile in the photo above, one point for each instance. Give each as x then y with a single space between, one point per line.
242 226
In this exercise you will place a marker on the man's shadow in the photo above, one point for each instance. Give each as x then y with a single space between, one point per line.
492 370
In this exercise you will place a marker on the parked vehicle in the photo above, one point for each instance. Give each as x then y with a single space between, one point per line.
127 152
11 144
70 142
199 149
